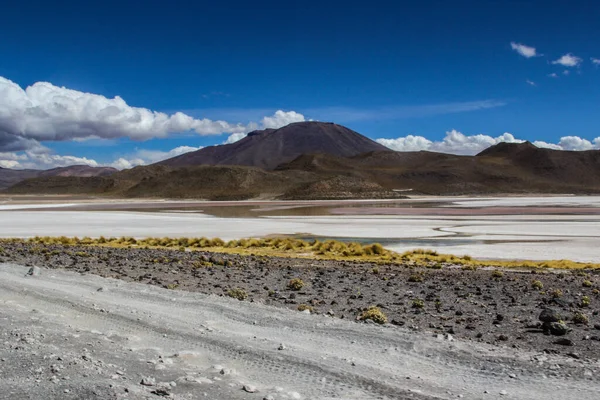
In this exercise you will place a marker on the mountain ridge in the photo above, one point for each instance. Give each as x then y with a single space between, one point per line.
269 148
336 169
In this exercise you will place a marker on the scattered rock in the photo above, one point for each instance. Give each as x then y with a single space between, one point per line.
556 328
564 342
34 271
549 315
250 389
148 381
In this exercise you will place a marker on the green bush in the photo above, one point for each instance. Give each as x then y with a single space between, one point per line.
295 284
537 285
237 293
303 307
497 274
374 314
580 318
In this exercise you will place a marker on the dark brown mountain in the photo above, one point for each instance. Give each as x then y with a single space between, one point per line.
10 177
271 147
378 173
570 167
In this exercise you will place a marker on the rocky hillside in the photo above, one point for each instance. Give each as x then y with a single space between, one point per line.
271 147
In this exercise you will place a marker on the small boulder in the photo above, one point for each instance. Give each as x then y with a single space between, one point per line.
556 328
250 389
549 315
34 271
148 381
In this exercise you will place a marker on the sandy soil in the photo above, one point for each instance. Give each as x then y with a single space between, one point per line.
71 336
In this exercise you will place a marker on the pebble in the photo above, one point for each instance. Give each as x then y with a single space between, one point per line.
250 389
503 393
34 271
148 381
281 347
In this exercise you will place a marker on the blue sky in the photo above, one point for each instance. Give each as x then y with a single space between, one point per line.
385 69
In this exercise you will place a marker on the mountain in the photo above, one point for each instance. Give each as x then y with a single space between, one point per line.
211 182
10 177
569 167
328 161
271 147
79 170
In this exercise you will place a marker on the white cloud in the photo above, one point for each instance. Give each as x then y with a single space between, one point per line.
41 157
525 51
458 143
595 61
9 164
46 160
568 60
234 138
279 119
553 75
37 160
145 157
407 143
576 143
44 112
532 83
454 142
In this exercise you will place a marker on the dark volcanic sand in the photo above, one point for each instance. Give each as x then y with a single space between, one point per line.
472 305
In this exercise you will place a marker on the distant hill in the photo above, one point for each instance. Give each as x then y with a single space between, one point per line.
271 147
333 162
10 177
79 170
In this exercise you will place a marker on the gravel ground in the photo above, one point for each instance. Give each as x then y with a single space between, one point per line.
67 335
479 306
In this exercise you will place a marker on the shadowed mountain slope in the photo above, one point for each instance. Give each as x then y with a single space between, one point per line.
334 167
271 147
10 177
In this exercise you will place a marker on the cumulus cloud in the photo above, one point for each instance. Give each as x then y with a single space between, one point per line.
525 51
568 60
454 143
279 119
234 138
553 75
595 61
532 83
458 143
40 160
47 160
145 157
45 112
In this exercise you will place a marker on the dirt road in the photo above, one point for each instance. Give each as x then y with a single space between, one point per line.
66 335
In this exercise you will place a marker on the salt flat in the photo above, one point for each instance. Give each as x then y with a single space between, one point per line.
527 236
